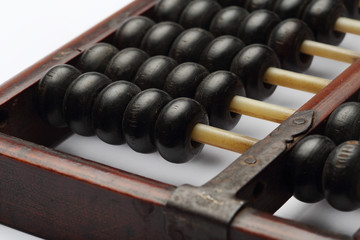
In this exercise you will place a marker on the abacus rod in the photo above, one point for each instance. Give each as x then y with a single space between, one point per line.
299 81
221 138
347 25
259 109
328 51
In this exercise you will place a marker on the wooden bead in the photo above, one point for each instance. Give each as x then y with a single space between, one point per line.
190 44
140 117
184 79
132 31
215 94
51 92
108 110
232 2
286 40
341 177
153 72
344 123
174 127
253 5
290 8
169 10
257 26
250 64
79 99
96 58
227 21
125 64
219 54
321 16
305 165
353 8
199 14
160 37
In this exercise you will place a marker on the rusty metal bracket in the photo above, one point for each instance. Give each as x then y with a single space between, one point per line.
206 212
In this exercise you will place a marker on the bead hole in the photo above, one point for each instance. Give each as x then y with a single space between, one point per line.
4 116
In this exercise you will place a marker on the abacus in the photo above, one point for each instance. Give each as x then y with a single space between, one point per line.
236 204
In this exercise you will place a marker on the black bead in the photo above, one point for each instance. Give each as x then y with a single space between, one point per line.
108 110
190 44
341 177
215 94
79 99
160 37
305 165
219 54
96 58
232 2
174 127
153 72
227 21
125 64
51 92
140 117
321 16
344 123
169 10
253 5
290 8
184 79
286 40
132 31
250 64
199 14
353 8
257 26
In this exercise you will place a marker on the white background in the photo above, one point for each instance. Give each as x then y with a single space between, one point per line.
32 29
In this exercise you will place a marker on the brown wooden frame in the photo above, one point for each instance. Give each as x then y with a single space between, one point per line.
52 194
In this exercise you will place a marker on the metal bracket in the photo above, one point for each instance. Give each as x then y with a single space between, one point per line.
206 212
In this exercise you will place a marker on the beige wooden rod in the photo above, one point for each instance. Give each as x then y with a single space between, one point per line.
221 138
347 25
329 51
259 109
299 81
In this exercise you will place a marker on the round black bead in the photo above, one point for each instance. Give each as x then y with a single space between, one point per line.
132 31
160 37
344 123
257 26
306 162
169 10
215 94
174 127
125 64
108 110
286 40
250 64
227 21
290 8
353 8
51 92
199 14
190 44
341 182
321 16
79 99
184 79
219 54
153 72
140 117
252 5
96 58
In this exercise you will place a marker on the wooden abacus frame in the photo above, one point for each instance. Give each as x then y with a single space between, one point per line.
56 195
